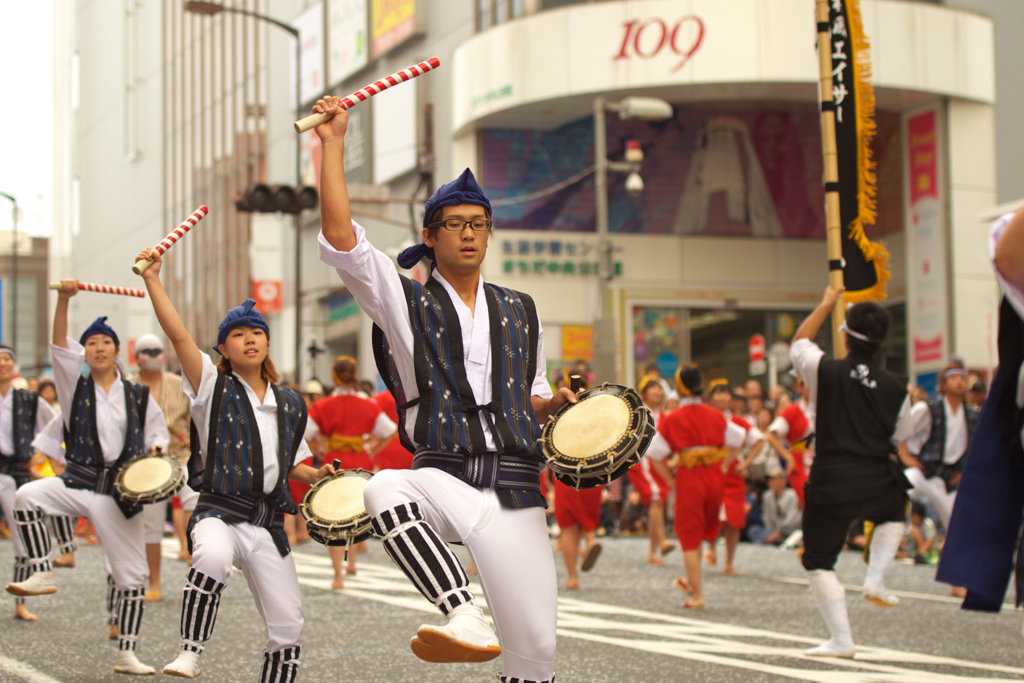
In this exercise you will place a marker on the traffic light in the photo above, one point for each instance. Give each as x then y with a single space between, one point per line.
276 199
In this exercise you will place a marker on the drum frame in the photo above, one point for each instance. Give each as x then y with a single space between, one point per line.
330 533
601 468
157 495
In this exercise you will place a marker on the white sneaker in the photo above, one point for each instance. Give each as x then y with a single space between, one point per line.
185 665
467 637
40 583
128 663
831 649
877 594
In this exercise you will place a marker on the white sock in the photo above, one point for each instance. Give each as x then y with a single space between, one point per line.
831 598
885 541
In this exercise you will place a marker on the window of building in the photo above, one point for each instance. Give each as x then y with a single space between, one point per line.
493 12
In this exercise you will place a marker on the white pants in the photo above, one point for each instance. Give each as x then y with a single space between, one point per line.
510 549
272 579
154 516
934 489
8 490
122 539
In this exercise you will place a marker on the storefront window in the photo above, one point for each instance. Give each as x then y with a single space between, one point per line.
659 338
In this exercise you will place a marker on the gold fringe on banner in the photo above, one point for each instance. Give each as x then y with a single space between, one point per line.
867 179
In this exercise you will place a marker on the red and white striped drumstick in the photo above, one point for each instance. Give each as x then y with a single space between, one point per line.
369 91
104 289
176 234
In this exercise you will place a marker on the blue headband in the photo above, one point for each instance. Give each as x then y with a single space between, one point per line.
462 190
99 326
245 315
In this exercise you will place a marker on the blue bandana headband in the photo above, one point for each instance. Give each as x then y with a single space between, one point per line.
99 326
245 315
462 190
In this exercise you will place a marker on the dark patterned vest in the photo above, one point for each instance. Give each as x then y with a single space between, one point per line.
447 434
86 467
231 482
24 405
934 450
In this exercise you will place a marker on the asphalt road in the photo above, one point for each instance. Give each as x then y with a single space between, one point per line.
626 623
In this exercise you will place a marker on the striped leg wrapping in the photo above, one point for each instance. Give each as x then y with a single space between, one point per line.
423 556
22 570
510 679
281 666
130 604
64 532
199 604
36 539
111 599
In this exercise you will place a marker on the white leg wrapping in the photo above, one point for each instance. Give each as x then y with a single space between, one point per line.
885 541
831 598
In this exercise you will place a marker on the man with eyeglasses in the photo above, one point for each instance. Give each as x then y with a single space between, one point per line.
166 388
465 361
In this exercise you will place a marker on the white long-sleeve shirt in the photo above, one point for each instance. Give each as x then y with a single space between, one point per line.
266 421
373 280
111 412
44 413
956 430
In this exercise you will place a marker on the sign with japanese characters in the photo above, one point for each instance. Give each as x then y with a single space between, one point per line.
573 257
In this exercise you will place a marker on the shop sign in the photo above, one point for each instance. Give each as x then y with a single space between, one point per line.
577 342
341 307
311 46
347 46
393 22
551 257
649 38
265 259
756 348
927 237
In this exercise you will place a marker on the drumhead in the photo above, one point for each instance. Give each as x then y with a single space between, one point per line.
591 427
339 499
147 474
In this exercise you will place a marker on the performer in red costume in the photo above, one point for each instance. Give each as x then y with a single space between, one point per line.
392 456
345 418
650 477
795 424
701 438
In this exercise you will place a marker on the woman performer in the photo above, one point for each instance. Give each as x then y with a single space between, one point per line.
463 353
578 514
650 477
247 438
344 418
795 424
702 438
863 414
23 414
108 422
734 501
393 456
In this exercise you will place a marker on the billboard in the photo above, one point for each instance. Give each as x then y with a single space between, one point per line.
347 45
714 170
265 262
393 22
311 38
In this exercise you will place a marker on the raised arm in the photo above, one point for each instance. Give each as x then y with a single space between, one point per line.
1009 255
189 355
60 313
809 327
335 214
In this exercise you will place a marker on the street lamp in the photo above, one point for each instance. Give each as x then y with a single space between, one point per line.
643 108
14 272
210 9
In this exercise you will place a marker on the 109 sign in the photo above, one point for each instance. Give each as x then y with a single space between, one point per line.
646 39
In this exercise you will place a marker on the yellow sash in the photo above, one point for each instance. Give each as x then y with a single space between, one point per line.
702 456
343 443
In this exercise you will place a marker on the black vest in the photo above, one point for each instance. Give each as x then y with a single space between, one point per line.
933 452
447 432
86 466
857 406
24 405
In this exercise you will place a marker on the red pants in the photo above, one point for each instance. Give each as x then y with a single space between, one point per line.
574 507
699 494
734 501
647 482
798 477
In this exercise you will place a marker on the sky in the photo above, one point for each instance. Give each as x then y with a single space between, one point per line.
26 121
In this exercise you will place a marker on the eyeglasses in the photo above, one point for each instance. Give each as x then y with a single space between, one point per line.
152 353
459 224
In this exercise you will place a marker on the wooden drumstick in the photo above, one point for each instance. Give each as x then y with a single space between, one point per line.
369 91
103 289
574 383
337 465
